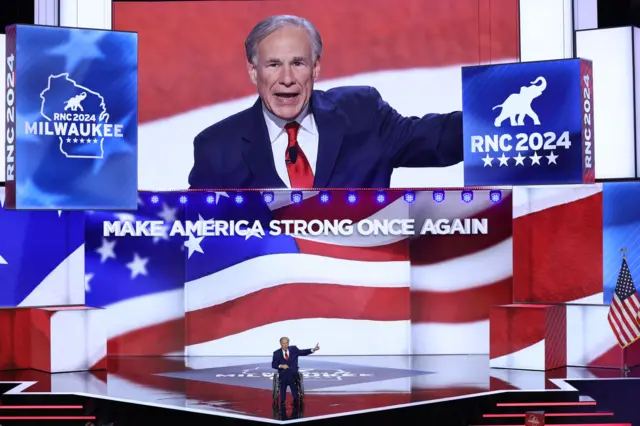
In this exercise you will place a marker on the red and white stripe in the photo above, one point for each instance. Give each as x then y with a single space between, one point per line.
558 244
455 279
558 255
350 293
342 290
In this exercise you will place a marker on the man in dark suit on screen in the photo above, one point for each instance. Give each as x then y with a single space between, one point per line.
297 137
285 360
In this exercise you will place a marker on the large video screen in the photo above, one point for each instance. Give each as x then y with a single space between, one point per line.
363 101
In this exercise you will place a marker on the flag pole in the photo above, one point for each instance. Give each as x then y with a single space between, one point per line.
625 368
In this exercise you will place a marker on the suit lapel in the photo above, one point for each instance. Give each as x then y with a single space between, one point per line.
331 123
257 151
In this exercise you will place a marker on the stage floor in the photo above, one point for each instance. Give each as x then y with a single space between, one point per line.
334 385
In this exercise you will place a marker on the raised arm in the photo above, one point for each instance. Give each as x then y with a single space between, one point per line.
433 140
305 352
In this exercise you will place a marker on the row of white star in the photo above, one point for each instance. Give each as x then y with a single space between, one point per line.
138 265
535 159
82 140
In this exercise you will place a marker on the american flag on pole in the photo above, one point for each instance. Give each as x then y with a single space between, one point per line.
625 308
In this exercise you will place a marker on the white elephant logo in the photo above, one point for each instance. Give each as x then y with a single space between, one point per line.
518 105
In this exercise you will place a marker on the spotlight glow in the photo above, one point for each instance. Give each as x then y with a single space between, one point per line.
239 199
268 197
155 199
495 196
381 197
324 197
183 199
296 197
438 196
467 196
352 197
211 199
410 197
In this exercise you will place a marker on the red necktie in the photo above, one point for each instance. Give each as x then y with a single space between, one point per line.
286 355
300 172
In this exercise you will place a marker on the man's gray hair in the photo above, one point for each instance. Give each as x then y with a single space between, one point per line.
282 338
273 23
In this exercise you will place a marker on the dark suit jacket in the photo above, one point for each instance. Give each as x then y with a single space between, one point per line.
294 353
361 140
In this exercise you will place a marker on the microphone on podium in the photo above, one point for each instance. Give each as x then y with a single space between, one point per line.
293 155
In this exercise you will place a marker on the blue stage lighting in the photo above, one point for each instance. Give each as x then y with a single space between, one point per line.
495 196
155 199
211 199
324 197
410 197
438 196
381 197
296 196
352 197
467 196
239 199
183 199
268 197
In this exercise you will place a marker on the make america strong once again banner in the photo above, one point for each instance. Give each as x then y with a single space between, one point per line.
402 287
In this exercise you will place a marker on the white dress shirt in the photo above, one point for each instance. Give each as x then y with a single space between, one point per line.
307 139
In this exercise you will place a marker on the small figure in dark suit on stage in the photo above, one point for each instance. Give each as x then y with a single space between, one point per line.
285 360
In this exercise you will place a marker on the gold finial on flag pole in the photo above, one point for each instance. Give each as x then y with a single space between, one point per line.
624 253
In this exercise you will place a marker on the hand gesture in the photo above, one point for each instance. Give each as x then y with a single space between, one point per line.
284 366
317 347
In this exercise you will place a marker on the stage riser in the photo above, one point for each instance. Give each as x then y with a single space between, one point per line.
576 420
547 409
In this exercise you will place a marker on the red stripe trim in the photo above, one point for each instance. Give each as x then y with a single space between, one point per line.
163 338
430 249
572 424
398 251
544 404
47 417
468 305
41 407
597 414
307 301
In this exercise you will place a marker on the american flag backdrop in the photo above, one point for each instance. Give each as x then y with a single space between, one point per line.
41 257
139 280
192 64
455 279
236 295
558 258
355 295
244 293
625 308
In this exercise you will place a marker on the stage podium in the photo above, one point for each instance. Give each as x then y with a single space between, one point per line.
53 339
